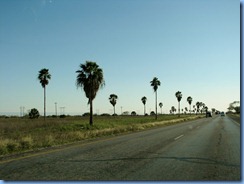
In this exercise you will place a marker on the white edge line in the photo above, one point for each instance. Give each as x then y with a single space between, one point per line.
179 137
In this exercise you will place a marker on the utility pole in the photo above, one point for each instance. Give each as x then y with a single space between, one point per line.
56 109
22 110
62 110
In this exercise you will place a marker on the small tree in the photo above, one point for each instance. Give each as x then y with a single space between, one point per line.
113 99
198 104
144 100
161 105
173 109
34 114
152 113
133 113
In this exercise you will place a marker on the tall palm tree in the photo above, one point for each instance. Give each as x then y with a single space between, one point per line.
155 83
178 96
189 100
144 100
90 78
160 105
43 77
113 99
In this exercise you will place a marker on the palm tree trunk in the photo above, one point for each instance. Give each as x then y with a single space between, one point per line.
144 109
91 112
114 110
179 109
156 114
44 103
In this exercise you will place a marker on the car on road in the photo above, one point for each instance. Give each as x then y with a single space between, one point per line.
222 114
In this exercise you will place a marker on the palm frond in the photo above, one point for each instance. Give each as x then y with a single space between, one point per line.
44 76
90 78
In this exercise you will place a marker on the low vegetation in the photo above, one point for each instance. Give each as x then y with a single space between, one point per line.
23 134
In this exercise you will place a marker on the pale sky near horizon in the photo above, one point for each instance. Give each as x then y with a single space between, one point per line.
190 46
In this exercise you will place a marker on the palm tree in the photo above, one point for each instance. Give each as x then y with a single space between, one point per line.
144 100
189 100
43 77
155 83
160 105
113 99
178 96
194 109
90 78
198 104
186 110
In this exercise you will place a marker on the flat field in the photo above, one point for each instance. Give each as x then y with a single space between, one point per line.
22 134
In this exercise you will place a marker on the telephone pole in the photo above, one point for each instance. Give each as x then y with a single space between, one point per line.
22 111
56 109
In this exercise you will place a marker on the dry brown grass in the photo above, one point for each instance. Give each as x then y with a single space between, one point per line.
18 135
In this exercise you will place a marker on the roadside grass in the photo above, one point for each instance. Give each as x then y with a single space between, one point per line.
20 134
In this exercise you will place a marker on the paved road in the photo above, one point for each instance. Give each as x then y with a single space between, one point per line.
204 149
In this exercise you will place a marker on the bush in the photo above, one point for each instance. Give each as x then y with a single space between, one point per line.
48 141
133 113
86 114
152 113
34 113
62 116
12 146
105 114
26 142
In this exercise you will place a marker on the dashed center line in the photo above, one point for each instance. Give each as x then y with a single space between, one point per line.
179 137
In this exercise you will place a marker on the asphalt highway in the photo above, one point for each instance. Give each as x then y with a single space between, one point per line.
203 149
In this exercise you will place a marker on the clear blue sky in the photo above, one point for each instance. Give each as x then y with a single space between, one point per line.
191 46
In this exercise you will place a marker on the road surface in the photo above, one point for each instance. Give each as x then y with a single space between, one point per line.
203 149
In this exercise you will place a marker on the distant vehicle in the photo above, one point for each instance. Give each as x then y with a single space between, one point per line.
208 114
222 114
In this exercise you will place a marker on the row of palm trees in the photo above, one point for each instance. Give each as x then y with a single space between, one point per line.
90 78
178 95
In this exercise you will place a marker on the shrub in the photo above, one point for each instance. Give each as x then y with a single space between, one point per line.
62 116
105 114
26 142
86 114
12 146
48 141
133 113
34 113
152 113
3 147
